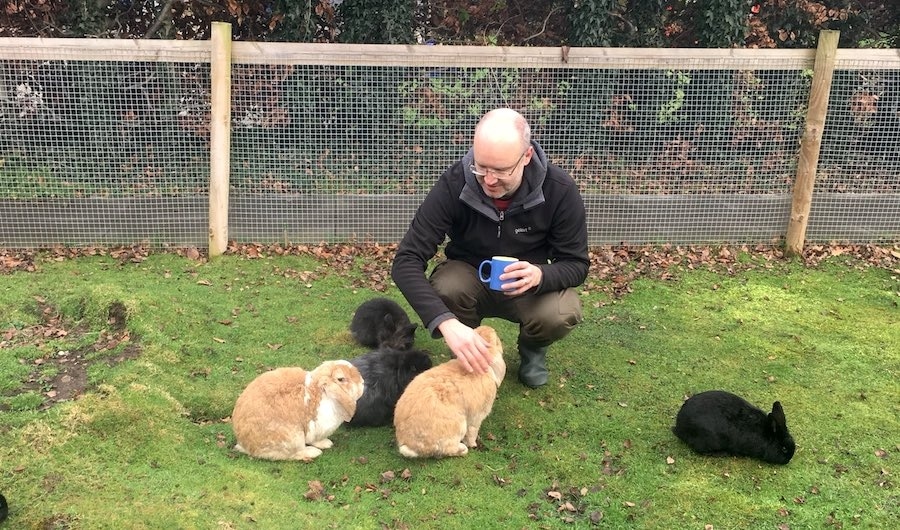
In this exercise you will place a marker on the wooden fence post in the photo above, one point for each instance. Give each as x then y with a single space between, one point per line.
811 142
219 137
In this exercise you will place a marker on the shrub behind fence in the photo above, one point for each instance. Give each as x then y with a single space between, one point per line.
108 142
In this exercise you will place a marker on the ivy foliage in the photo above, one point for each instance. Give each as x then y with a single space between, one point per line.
644 23
377 21
618 23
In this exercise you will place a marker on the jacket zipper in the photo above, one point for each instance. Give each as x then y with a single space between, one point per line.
502 212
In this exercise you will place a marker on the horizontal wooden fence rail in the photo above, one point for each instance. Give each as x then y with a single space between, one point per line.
106 142
39 49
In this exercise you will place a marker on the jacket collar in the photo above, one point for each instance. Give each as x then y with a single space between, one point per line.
529 194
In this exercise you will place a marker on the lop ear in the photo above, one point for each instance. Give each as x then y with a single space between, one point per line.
490 336
340 378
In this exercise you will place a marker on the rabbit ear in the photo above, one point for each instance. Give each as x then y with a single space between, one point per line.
776 418
342 376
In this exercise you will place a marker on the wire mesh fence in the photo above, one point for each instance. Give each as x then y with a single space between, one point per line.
107 142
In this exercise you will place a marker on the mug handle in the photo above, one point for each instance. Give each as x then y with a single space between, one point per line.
481 271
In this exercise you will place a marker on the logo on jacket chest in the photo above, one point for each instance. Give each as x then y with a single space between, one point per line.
522 230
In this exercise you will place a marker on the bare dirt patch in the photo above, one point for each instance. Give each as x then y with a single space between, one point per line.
63 375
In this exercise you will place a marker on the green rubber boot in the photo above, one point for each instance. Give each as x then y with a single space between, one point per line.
533 368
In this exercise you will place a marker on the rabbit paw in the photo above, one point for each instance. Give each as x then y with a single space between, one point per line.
325 443
307 453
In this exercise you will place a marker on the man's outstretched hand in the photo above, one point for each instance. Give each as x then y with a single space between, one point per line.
468 346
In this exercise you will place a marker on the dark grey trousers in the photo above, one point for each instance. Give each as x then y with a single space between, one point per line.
543 318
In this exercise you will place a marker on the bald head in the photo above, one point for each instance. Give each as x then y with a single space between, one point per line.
503 125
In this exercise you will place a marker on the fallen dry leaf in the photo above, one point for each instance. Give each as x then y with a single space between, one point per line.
315 490
567 506
192 253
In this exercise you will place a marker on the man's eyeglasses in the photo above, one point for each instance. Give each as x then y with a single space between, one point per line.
499 173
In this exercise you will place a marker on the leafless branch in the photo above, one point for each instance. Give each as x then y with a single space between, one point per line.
544 28
164 13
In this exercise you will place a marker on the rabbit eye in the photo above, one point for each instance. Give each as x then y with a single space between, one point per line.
340 379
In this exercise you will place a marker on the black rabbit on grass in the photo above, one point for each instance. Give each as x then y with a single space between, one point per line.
386 373
381 322
4 508
720 422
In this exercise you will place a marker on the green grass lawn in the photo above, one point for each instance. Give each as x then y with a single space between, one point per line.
147 444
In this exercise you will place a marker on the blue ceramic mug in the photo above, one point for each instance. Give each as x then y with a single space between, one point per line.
497 264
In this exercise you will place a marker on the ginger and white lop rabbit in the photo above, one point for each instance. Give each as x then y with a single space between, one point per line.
289 413
440 412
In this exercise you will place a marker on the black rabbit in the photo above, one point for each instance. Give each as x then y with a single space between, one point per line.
4 508
720 422
381 322
386 372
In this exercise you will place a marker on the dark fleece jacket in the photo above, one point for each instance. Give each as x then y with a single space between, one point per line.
544 225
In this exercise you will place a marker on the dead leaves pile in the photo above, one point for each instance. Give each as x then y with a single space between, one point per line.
612 268
317 490
370 263
569 503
